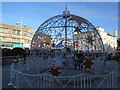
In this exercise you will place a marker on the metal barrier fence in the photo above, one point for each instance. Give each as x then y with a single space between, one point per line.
20 79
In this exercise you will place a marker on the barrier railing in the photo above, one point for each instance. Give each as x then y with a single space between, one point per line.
20 79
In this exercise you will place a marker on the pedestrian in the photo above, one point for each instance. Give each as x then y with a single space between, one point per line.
79 66
16 59
75 64
24 58
104 60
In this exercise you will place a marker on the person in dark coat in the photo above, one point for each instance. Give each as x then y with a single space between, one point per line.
80 64
24 58
75 64
80 57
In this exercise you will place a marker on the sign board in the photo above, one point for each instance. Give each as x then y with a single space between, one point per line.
17 45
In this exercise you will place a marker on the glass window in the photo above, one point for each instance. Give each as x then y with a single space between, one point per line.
18 32
5 39
29 41
4 30
1 38
18 39
15 32
14 39
24 40
0 29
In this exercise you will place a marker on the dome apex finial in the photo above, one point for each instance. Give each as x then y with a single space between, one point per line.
66 7
66 12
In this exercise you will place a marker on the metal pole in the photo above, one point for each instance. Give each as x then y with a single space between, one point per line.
21 30
66 40
77 42
65 32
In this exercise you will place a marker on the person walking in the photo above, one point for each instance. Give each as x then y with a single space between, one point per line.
24 58
79 65
75 64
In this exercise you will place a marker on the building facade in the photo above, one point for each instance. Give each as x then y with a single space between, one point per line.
109 41
42 41
13 36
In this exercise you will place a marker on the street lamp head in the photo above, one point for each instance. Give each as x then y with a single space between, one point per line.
25 25
17 23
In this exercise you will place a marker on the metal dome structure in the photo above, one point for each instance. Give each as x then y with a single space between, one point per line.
58 45
69 30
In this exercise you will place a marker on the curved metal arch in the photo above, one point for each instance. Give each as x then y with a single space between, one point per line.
82 20
90 24
42 25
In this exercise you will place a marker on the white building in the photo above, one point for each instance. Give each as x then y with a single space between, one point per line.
14 36
109 41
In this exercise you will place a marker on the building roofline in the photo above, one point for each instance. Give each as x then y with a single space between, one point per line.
14 26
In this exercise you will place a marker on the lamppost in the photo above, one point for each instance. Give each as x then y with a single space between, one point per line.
21 23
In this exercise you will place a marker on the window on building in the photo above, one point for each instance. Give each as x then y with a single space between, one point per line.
29 41
18 32
30 34
24 34
18 39
25 40
5 30
14 39
15 32
0 29
1 38
5 39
